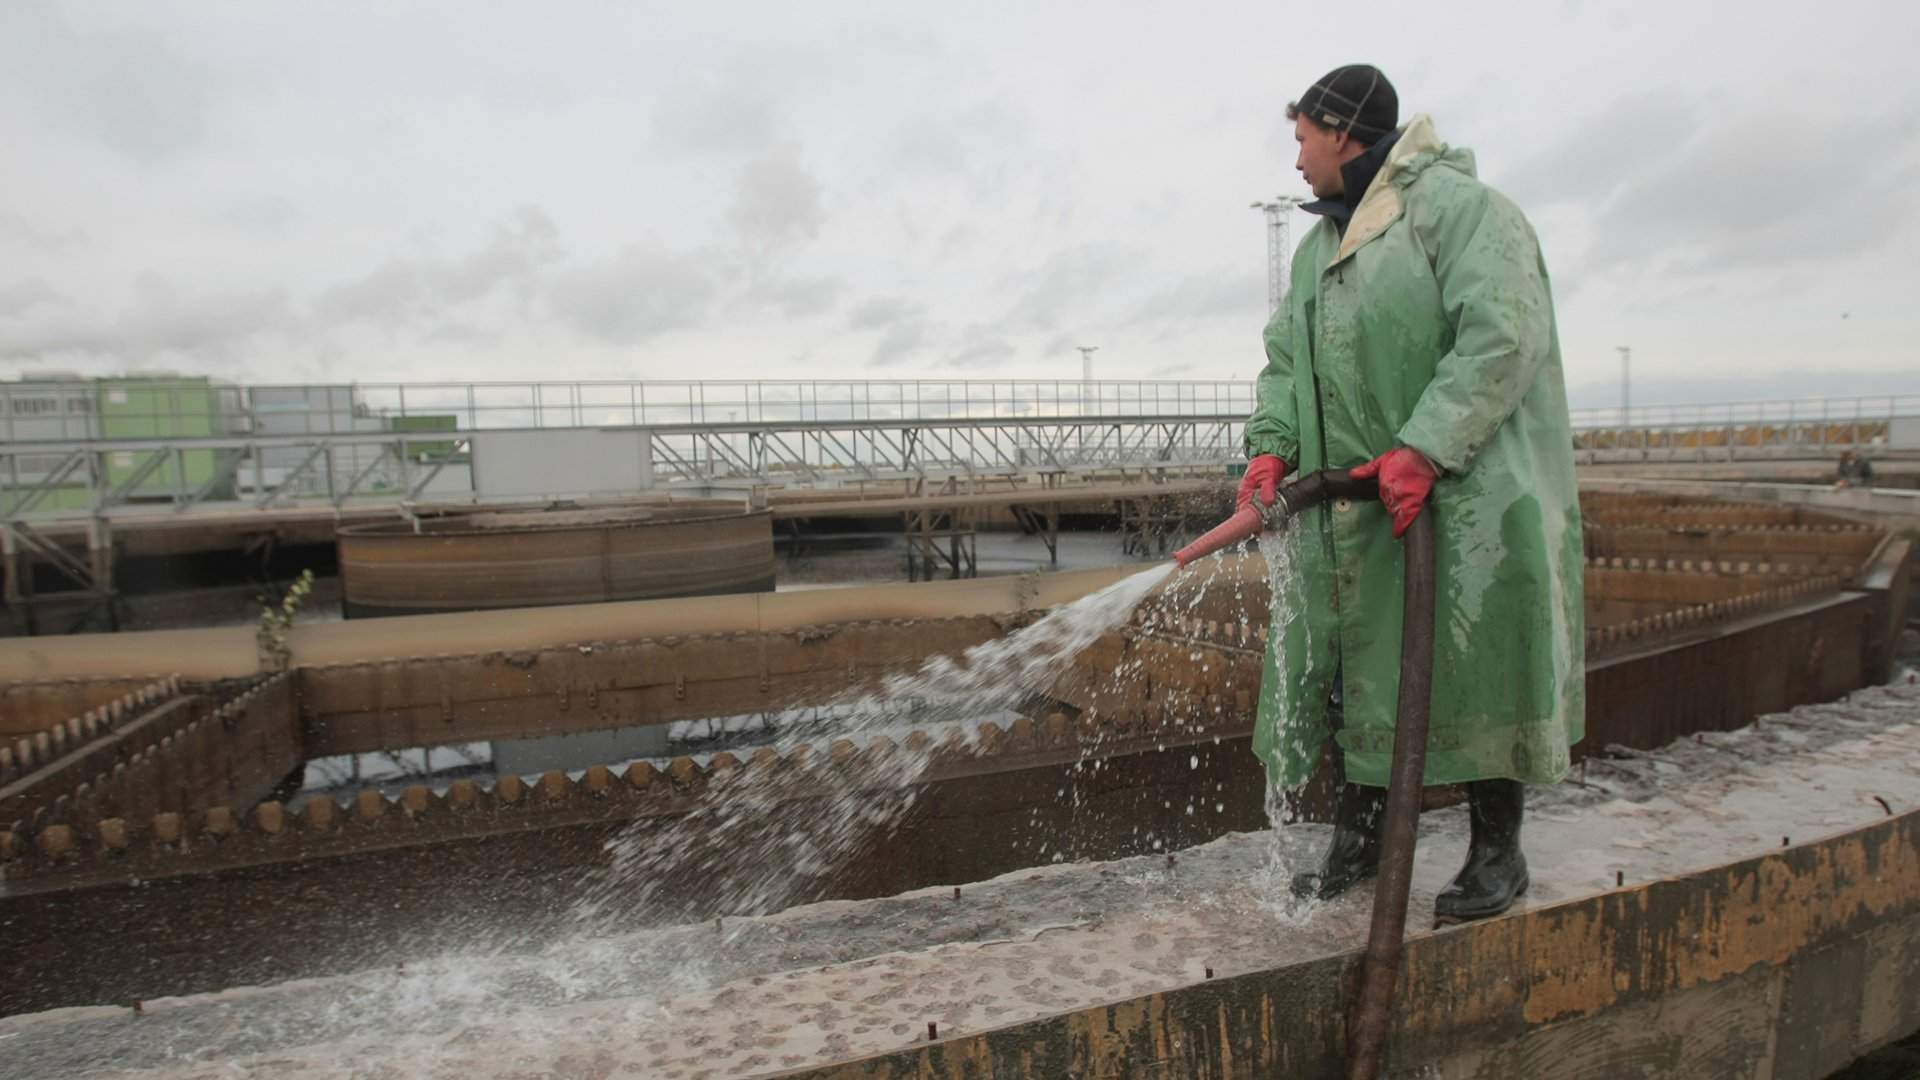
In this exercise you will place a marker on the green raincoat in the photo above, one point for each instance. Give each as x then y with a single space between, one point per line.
1430 325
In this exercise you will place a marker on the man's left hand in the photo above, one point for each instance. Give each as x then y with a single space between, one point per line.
1406 479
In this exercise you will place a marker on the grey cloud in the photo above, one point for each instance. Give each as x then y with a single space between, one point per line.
1739 194
778 209
737 109
968 140
1664 185
797 297
263 213
1595 156
1061 292
879 311
777 205
906 187
1068 282
903 341
23 296
211 327
413 290
708 117
15 229
509 89
1231 292
130 89
904 325
637 295
1058 345
389 296
980 346
162 317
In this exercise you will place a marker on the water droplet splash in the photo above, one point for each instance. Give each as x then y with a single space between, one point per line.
774 836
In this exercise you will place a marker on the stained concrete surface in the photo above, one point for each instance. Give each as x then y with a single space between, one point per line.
749 996
1901 1061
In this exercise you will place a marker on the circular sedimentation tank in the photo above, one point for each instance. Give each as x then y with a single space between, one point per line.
484 561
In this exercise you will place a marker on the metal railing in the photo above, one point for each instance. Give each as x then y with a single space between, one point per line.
1736 430
192 442
77 410
1763 411
72 411
94 478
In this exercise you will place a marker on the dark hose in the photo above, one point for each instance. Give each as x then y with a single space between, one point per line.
1373 1006
1317 487
1372 1013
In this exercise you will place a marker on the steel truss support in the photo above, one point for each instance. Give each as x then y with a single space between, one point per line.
49 483
459 447
21 544
226 466
41 478
340 498
268 497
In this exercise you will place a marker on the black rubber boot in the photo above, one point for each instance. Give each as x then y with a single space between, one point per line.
1354 855
1496 871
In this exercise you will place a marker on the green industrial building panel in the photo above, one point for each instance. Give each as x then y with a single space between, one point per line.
153 408
427 451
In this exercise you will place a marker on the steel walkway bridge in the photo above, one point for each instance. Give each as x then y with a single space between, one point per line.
115 476
70 455
66 504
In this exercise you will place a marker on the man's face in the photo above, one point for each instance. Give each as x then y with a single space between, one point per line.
1322 152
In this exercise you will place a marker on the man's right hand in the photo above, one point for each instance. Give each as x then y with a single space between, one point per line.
1264 474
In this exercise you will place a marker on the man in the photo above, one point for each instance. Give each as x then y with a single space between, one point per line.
1418 345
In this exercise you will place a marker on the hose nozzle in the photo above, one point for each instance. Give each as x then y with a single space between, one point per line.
1250 520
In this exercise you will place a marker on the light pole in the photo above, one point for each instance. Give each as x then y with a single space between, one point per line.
1279 251
1626 388
1086 375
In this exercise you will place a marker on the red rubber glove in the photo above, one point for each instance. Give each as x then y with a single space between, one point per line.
1263 477
1406 478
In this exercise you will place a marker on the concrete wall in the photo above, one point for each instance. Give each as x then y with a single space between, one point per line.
29 707
1787 967
178 753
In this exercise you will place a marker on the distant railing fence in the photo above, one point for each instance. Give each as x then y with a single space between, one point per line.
63 412
70 447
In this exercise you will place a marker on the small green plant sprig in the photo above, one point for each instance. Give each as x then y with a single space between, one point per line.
275 651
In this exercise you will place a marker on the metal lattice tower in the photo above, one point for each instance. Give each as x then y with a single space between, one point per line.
1279 249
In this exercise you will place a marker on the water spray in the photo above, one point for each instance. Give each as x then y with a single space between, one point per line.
1368 1023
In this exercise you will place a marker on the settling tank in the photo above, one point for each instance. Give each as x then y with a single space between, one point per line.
481 561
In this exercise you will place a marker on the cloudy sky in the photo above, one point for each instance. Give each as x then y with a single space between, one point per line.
284 191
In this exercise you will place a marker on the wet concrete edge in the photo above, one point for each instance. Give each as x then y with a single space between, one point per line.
1813 938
